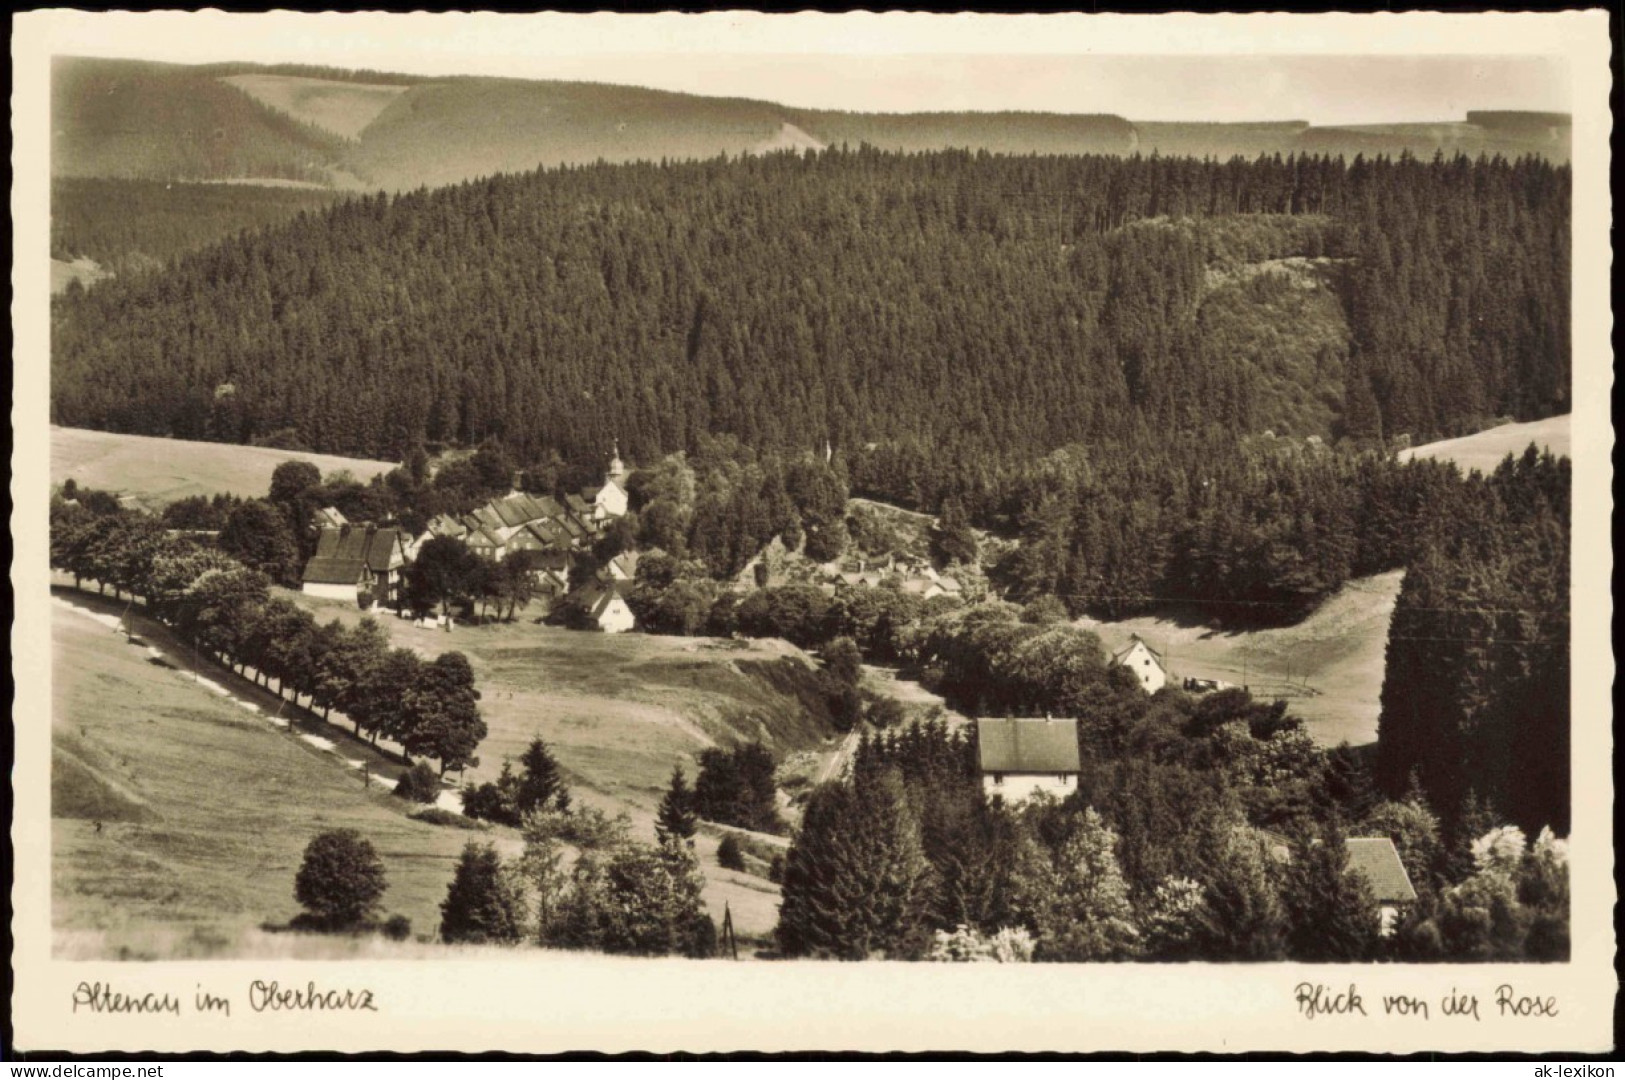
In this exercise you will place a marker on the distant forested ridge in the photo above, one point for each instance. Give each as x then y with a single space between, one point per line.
964 310
133 225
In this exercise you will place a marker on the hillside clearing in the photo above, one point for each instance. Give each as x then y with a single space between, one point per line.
159 471
85 271
1488 448
344 108
619 710
1329 667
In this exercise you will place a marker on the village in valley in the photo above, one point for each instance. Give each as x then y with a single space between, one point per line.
466 539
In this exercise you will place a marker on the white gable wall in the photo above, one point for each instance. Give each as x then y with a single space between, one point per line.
616 618
1146 668
610 500
1016 787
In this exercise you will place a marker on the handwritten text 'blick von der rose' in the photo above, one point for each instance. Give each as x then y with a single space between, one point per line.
263 997
1317 999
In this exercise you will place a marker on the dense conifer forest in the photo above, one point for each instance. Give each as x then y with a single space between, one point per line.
986 309
128 226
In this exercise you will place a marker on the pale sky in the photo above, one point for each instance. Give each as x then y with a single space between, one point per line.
1359 70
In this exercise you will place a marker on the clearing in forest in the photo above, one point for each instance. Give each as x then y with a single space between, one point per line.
1329 667
344 108
1486 449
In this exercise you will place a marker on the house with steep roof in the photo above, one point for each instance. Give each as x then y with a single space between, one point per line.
485 543
623 567
357 563
439 525
601 605
1377 860
1018 758
329 517
1145 662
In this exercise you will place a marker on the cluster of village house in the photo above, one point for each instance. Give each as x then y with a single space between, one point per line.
365 562
356 562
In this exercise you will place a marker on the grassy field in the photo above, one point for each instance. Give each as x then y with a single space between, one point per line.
205 809
620 710
1329 667
159 471
1486 449
84 271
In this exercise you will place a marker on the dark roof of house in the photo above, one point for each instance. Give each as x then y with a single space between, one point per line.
511 511
486 517
345 552
1133 641
446 525
1027 746
549 531
1377 859
597 594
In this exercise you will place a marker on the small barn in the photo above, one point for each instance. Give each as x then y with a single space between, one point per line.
1018 758
1377 860
1145 662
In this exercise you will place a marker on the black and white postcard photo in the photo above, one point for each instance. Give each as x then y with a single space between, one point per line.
747 532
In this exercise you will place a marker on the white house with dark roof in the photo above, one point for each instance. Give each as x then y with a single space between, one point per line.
1018 758
601 605
1145 662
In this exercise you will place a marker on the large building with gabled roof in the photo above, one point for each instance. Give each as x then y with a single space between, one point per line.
1019 758
359 563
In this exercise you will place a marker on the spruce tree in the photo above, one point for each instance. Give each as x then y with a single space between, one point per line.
857 882
540 783
1331 914
481 904
677 818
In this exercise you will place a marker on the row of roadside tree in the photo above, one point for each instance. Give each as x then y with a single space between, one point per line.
226 610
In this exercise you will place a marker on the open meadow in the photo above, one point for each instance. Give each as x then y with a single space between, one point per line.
204 808
205 805
159 471
1486 449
